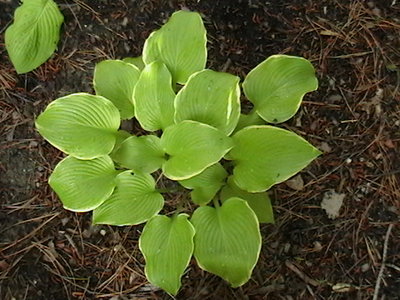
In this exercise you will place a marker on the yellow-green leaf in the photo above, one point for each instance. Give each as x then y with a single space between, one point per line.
34 35
227 241
167 246
277 86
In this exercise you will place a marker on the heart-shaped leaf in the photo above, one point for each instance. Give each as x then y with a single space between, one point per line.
180 44
212 98
277 86
142 154
167 246
227 241
80 125
134 201
136 61
260 203
83 185
192 147
267 155
115 80
154 106
205 185
34 35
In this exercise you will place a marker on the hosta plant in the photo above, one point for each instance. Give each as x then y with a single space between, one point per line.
198 136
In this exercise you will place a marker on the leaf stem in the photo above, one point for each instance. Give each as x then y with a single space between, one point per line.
216 202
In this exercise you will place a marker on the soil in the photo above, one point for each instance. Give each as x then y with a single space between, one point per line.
354 117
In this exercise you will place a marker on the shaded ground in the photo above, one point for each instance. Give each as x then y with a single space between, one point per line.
49 253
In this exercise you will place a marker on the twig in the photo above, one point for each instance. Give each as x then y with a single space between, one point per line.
299 273
380 274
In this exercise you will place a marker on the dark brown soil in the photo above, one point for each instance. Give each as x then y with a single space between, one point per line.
49 253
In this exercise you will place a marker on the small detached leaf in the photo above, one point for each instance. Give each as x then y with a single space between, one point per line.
81 125
167 246
260 203
180 44
227 241
136 61
115 80
192 147
212 98
154 97
267 155
277 86
83 185
142 154
34 35
134 201
205 185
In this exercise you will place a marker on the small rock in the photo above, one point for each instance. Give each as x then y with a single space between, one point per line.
317 246
325 147
365 267
331 203
335 98
296 183
103 232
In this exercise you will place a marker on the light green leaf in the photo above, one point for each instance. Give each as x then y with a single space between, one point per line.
83 185
260 203
142 154
205 185
180 44
167 246
250 119
120 136
192 147
267 155
277 86
34 35
212 98
115 80
227 241
136 61
134 201
154 97
80 125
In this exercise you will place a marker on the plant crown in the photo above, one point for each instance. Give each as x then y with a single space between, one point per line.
198 137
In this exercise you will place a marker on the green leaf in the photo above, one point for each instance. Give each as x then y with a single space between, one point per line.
167 246
136 61
154 97
180 44
267 155
205 185
83 185
120 136
277 86
260 203
250 119
115 80
192 147
212 98
142 154
227 241
80 125
134 201
34 35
